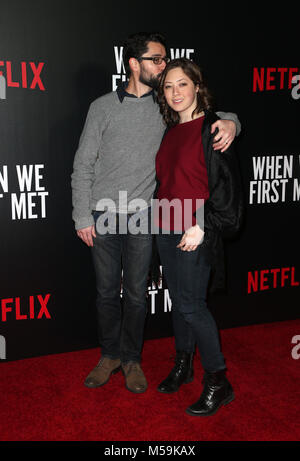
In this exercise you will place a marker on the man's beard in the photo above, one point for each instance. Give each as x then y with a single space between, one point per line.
152 81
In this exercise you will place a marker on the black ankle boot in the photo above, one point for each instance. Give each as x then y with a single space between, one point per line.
181 373
217 392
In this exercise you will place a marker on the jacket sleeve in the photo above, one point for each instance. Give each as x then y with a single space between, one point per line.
223 209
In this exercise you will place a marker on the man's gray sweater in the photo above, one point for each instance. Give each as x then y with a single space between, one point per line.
116 153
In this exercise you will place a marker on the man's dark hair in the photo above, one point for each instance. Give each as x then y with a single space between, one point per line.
137 44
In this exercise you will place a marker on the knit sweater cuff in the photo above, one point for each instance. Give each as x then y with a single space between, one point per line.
81 223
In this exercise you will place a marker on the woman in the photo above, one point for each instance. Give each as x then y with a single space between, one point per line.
188 169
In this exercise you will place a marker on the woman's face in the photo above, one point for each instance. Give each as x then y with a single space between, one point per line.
180 93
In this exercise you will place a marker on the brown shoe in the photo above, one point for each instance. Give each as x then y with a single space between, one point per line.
102 372
135 378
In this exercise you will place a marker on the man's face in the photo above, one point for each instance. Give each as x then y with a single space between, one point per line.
150 73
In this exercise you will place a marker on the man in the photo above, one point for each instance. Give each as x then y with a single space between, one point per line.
116 153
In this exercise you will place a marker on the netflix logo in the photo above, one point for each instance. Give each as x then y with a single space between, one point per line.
269 279
274 78
20 75
35 307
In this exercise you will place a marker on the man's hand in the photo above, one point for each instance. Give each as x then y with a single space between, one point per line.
225 136
191 238
86 234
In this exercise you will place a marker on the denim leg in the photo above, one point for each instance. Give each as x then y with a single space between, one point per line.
106 254
183 334
193 277
136 258
121 331
188 274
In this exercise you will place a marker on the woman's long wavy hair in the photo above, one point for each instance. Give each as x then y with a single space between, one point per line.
204 98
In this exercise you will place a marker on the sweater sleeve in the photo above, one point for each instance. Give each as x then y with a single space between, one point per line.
233 117
84 167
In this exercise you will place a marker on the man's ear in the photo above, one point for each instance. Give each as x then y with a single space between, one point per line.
134 65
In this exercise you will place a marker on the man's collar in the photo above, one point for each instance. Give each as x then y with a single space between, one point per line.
121 92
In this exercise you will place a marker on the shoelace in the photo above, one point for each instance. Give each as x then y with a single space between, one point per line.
135 367
100 363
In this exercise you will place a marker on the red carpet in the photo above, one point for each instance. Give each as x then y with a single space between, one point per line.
44 399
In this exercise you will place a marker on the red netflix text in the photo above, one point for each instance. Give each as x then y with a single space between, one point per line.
35 307
273 78
23 75
271 278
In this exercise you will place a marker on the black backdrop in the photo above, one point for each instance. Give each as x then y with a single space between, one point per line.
55 59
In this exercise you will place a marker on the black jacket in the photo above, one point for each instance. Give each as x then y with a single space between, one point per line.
223 211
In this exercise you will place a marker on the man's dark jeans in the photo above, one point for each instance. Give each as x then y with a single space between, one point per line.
187 275
121 331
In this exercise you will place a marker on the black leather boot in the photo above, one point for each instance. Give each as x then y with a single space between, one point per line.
182 372
217 392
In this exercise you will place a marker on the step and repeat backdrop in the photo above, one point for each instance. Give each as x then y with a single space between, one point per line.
55 59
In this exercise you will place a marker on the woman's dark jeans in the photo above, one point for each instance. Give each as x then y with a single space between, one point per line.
187 275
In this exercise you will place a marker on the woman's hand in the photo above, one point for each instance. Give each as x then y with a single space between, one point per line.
191 238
